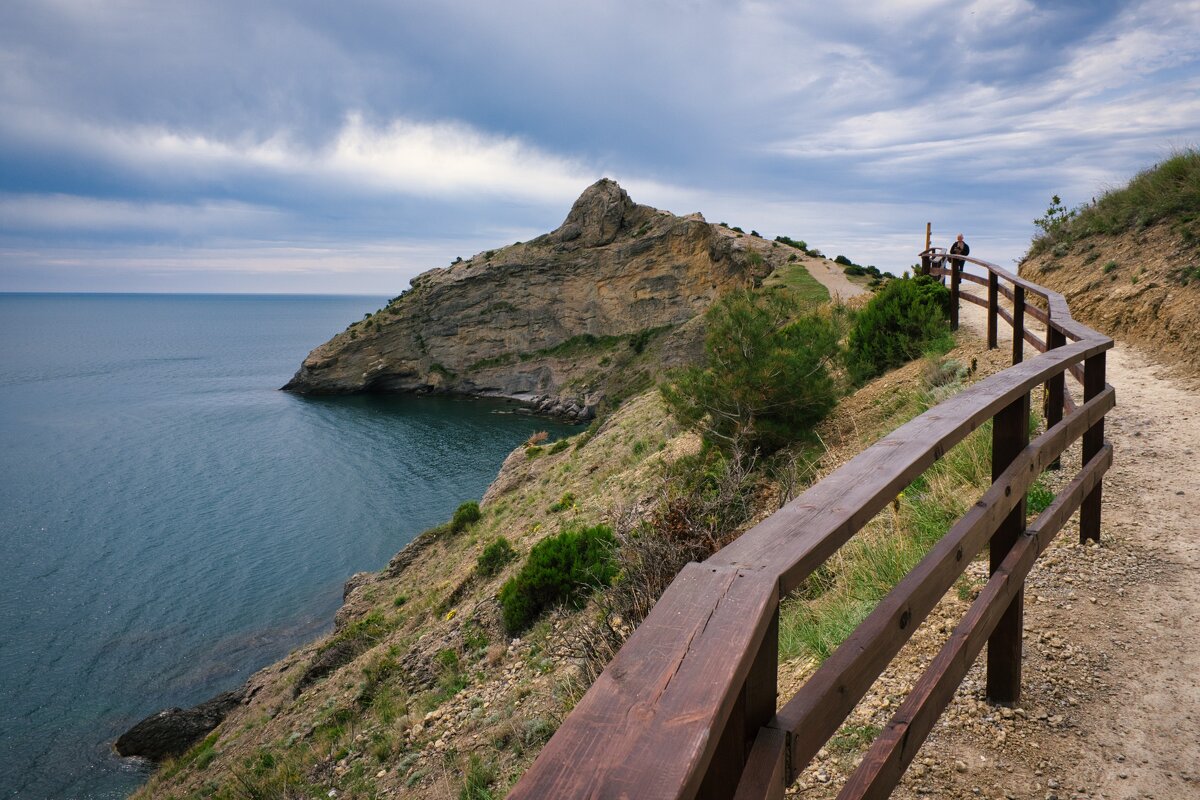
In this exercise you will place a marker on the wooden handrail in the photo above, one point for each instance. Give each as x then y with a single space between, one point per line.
688 707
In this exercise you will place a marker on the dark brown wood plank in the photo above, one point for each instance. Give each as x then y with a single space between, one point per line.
894 749
1093 441
1055 391
993 304
1018 325
1037 313
972 298
765 775
1004 314
1010 435
816 711
646 726
979 279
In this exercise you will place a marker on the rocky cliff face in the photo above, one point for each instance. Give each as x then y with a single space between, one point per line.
532 320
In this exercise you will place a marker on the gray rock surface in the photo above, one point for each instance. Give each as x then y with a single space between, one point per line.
172 731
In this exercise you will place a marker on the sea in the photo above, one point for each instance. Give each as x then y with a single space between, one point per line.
171 522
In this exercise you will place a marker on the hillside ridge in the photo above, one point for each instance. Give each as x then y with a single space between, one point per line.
529 321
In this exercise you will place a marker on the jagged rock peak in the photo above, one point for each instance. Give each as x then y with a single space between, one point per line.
598 216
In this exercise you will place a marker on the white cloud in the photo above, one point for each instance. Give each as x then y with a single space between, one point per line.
448 158
60 212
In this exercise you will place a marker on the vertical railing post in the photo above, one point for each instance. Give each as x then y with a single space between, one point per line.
1010 434
956 267
993 304
754 708
1018 324
1093 440
1055 390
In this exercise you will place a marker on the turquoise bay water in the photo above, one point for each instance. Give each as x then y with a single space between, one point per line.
170 522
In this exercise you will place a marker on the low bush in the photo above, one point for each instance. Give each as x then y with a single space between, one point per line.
464 516
494 557
798 244
564 503
904 320
560 570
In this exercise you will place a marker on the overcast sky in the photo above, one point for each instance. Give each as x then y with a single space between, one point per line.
312 146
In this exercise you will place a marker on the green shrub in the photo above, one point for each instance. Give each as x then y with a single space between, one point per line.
494 557
567 501
1039 498
559 446
845 262
799 245
1109 267
906 318
767 379
561 569
465 515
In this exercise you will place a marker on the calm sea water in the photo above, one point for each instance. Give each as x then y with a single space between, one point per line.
170 522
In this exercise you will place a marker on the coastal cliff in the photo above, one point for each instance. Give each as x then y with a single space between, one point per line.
532 320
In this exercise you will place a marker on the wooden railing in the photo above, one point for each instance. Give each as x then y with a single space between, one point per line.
689 707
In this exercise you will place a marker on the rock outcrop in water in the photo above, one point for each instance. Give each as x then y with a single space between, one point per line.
170 732
532 320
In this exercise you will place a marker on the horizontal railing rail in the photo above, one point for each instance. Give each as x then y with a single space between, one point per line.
689 706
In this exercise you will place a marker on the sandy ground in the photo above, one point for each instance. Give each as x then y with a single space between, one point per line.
1110 703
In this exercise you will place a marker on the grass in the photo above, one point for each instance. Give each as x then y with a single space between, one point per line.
796 278
840 595
1169 191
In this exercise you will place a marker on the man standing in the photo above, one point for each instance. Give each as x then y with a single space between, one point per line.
959 248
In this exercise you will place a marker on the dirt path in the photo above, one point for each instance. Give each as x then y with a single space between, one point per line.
1112 676
830 275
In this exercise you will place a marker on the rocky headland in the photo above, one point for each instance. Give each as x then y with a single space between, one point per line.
533 321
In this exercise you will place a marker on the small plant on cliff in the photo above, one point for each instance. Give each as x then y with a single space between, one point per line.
904 320
564 503
494 557
767 379
560 570
464 516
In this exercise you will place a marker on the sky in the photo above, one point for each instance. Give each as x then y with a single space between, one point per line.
306 146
